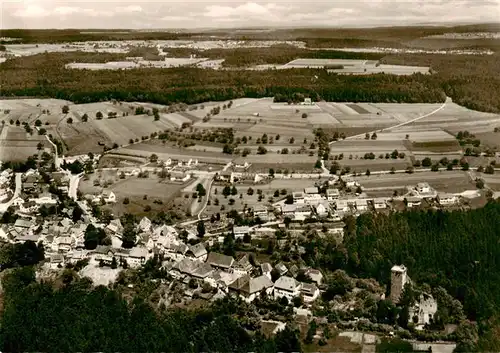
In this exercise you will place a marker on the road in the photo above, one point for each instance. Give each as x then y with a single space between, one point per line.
56 159
17 192
74 181
448 99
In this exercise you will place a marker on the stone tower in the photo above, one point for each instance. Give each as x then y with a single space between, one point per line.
399 278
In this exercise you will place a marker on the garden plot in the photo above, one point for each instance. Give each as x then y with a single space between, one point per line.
361 165
321 119
375 121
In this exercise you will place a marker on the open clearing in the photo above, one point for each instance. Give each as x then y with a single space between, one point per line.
354 67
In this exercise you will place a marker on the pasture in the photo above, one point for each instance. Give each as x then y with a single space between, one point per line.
17 145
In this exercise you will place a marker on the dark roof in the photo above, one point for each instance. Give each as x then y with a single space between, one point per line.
220 260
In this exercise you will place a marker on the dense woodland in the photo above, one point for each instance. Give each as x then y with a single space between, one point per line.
470 80
73 316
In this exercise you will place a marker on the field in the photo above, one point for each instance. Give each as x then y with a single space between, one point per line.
356 67
444 181
159 193
17 145
146 149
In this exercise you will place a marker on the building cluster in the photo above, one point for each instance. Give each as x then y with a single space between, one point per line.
5 190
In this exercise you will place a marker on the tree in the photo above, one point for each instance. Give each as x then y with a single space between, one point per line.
374 136
69 120
200 227
261 150
129 237
153 158
250 191
318 164
276 193
93 236
38 123
39 146
65 109
98 115
304 115
368 172
85 117
234 191
489 170
271 172
289 199
200 190
465 166
334 168
426 162
435 167
226 191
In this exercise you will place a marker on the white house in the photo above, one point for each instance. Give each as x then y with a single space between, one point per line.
322 208
44 199
250 288
287 287
178 175
445 199
298 197
315 275
361 205
309 292
108 196
332 194
413 201
311 195
423 188
261 212
379 203
302 212
342 205
240 232
137 256
288 210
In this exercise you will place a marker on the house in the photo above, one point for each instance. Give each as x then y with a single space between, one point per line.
281 268
28 207
243 264
240 232
302 212
44 199
64 244
445 199
115 227
413 201
423 188
145 224
261 212
137 256
30 183
220 261
288 210
250 288
179 175
22 223
361 205
309 292
315 275
266 269
103 253
342 205
286 287
311 195
332 194
322 208
379 203
108 196
202 271
56 261
199 252
422 313
298 197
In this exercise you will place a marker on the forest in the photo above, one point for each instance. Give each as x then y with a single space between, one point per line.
74 316
470 80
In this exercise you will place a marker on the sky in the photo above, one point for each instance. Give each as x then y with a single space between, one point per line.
241 13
